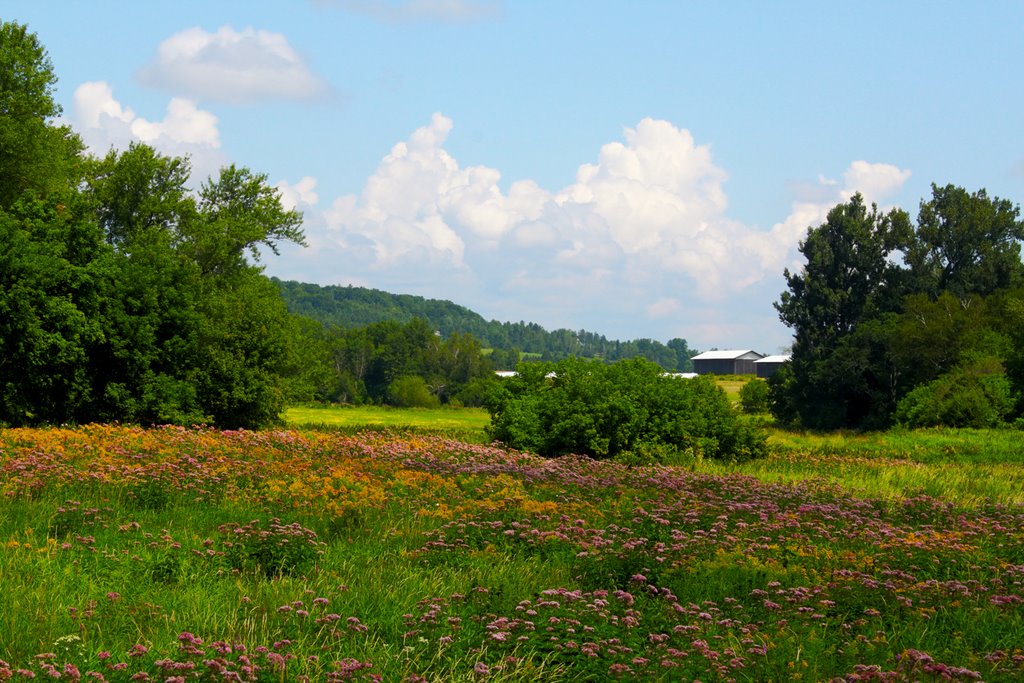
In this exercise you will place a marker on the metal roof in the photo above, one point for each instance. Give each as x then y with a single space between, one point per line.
726 354
774 359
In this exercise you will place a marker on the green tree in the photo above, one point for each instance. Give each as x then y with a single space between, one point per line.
966 244
976 393
35 156
239 213
53 279
755 396
244 351
141 195
849 278
411 391
123 297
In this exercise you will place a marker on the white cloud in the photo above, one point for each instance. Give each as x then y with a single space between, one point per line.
231 66
874 181
643 230
301 194
653 204
103 122
449 11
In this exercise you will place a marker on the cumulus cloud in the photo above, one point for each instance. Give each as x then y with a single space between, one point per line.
299 195
651 204
449 11
875 182
104 123
231 66
644 229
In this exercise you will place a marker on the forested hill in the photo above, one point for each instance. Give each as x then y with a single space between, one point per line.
352 307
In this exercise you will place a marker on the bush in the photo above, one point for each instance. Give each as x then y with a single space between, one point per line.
974 394
755 396
411 391
475 392
603 411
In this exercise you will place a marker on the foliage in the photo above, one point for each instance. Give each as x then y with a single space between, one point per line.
966 244
755 396
125 296
411 391
364 363
36 157
54 273
589 408
847 280
870 333
975 394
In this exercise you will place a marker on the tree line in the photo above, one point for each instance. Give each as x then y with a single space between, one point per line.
353 307
897 322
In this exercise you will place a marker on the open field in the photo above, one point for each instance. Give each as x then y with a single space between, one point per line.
173 554
468 422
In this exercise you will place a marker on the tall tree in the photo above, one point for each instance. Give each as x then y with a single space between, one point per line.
966 244
240 213
53 281
141 195
34 155
849 278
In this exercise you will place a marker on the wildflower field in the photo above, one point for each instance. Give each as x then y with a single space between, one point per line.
177 554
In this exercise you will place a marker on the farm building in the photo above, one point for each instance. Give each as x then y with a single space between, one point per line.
767 366
727 362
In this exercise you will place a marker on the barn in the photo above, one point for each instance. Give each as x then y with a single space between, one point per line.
769 365
727 362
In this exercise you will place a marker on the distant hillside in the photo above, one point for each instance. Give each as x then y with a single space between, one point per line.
351 307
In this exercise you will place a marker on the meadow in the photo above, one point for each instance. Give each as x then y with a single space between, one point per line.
177 554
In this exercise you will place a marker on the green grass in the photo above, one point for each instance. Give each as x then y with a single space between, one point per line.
464 422
732 385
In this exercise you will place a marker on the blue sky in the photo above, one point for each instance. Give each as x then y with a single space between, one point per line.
637 169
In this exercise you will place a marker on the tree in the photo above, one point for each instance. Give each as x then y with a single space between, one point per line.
141 194
34 155
239 213
849 278
755 396
244 351
974 394
53 280
966 244
121 296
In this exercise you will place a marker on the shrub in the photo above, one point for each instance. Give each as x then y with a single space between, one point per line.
589 408
973 394
755 396
474 393
411 391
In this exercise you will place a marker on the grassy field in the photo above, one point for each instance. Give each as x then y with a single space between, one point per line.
174 555
468 422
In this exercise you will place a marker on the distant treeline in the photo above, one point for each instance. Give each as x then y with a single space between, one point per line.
355 307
